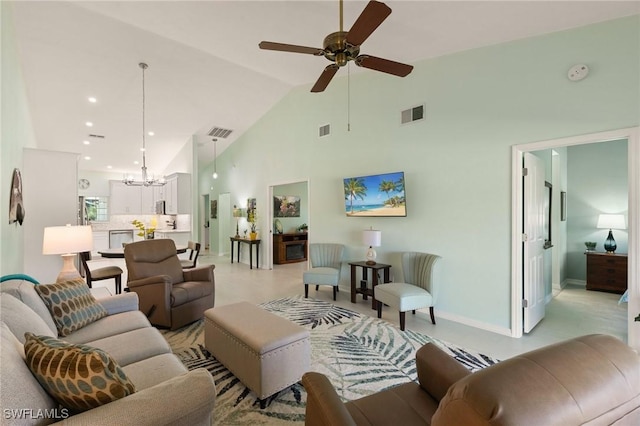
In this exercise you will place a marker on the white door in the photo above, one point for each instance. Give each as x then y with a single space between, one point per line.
534 239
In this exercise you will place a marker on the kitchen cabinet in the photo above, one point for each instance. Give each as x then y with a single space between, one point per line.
177 194
124 199
181 238
100 241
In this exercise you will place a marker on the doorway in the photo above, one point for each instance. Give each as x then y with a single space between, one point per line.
291 221
518 205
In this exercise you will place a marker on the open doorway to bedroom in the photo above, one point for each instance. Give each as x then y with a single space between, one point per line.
566 260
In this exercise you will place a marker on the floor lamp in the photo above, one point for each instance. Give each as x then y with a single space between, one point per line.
67 241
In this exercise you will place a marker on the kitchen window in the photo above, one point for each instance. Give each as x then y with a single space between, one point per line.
96 209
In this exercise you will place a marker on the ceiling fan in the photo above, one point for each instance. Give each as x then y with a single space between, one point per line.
344 46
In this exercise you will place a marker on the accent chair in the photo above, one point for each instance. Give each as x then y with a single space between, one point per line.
416 292
326 262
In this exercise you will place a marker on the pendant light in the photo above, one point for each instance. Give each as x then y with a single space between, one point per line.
215 155
146 180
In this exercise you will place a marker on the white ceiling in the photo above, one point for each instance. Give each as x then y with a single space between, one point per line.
205 68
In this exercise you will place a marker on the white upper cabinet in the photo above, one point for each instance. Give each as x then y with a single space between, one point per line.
125 199
177 194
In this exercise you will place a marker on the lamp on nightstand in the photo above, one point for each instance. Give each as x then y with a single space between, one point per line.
67 241
611 221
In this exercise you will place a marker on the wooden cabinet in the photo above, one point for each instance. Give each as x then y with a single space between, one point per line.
289 248
607 272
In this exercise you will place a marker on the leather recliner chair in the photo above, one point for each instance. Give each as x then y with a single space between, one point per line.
592 379
169 296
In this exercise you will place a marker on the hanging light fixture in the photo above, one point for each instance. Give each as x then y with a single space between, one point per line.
215 154
146 180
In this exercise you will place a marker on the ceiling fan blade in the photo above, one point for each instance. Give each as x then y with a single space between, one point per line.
325 78
282 47
371 17
384 65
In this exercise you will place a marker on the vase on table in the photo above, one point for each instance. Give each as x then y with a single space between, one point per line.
253 235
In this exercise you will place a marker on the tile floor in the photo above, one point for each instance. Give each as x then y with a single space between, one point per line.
572 312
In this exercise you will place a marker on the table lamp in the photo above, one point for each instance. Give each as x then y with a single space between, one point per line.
67 241
237 213
611 221
372 238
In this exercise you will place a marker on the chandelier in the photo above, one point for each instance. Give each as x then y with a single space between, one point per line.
146 180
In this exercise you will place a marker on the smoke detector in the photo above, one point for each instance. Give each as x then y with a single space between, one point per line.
578 72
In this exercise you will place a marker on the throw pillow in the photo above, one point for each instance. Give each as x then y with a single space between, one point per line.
71 304
79 377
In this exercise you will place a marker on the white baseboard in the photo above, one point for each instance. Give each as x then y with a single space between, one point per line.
470 322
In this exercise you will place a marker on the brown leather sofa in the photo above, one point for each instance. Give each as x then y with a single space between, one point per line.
169 296
592 380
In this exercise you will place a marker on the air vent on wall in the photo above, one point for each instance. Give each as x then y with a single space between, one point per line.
412 114
324 130
218 132
91 135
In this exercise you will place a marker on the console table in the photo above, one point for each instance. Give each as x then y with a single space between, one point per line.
606 272
289 248
362 289
251 243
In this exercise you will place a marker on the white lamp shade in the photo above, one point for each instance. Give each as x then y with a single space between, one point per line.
67 239
611 221
371 237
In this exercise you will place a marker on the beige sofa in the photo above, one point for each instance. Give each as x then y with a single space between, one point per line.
590 380
166 393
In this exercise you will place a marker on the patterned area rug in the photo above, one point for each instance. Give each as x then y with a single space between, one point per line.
360 355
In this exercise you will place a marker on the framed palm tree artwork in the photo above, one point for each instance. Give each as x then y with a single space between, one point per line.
375 195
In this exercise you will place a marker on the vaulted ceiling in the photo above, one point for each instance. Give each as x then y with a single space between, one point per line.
205 68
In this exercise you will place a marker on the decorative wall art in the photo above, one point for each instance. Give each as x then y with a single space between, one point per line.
286 206
214 209
16 206
376 195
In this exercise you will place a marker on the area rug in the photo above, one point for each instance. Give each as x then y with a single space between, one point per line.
360 355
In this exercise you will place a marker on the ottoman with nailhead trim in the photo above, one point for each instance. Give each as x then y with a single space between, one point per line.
267 353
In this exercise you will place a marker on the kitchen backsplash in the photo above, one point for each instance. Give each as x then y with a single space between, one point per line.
183 221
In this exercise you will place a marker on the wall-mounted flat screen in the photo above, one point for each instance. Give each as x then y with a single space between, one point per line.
375 195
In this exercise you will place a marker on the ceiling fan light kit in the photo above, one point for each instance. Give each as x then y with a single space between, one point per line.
341 46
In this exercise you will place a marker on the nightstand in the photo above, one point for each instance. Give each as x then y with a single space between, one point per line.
606 272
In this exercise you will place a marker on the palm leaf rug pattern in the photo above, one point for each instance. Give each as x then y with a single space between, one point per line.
361 355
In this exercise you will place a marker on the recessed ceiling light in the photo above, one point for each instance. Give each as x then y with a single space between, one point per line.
87 158
142 149
92 99
136 162
151 133
109 167
86 142
89 124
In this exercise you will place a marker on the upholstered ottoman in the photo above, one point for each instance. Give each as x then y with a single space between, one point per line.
266 352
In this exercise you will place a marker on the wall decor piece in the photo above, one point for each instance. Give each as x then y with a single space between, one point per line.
286 206
563 206
16 206
375 195
214 209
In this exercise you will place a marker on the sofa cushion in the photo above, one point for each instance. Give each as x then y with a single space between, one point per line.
20 390
21 319
133 346
111 325
78 376
71 305
25 292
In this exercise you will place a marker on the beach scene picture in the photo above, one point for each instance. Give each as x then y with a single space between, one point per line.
375 195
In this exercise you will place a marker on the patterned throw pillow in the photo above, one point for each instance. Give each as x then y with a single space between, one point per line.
71 305
79 377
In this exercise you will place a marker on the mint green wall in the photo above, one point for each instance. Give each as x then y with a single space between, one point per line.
457 162
598 183
16 133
